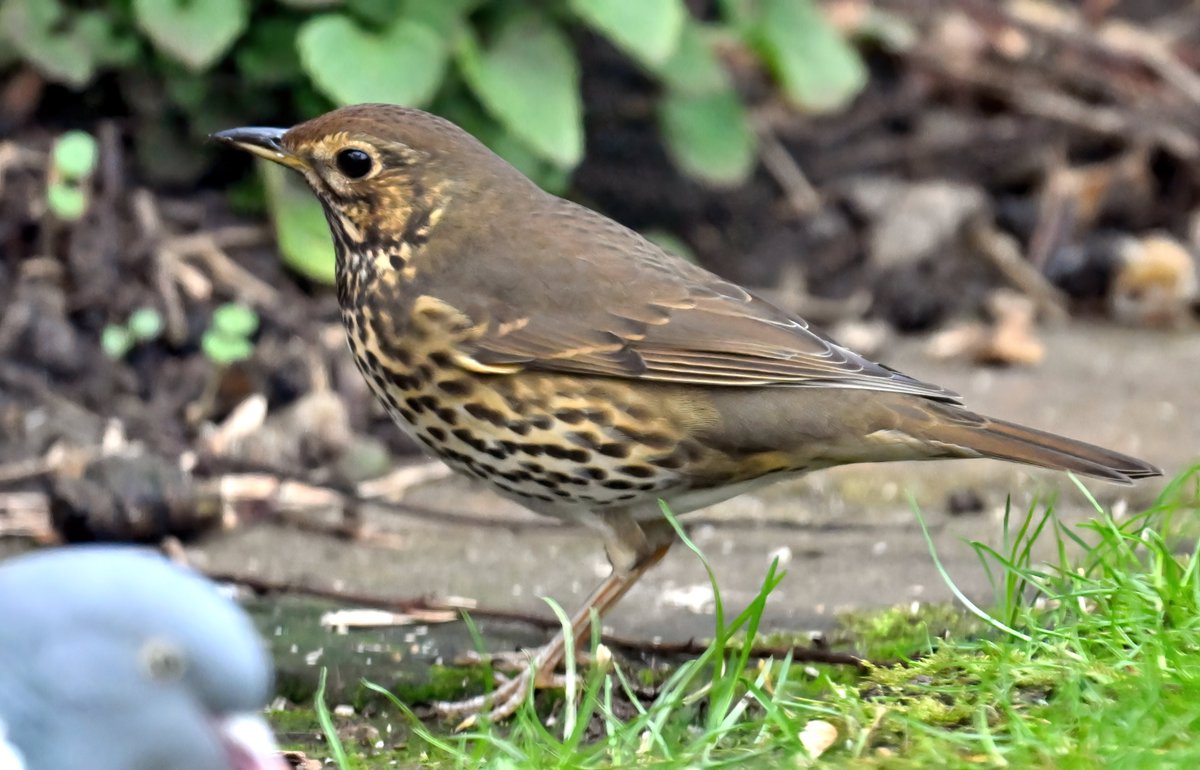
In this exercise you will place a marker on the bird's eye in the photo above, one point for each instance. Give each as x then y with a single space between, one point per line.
163 661
354 163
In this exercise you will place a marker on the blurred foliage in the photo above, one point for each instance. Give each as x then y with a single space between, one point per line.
75 154
507 70
234 320
228 339
72 162
144 325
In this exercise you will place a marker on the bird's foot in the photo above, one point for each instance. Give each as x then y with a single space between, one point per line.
502 702
511 661
506 661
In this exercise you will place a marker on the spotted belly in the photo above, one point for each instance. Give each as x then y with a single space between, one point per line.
552 442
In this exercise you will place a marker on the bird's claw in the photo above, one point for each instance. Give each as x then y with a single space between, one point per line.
499 704
508 661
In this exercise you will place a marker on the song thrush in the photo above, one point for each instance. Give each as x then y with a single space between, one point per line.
579 369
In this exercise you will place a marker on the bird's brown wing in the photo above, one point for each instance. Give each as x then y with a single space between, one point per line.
657 317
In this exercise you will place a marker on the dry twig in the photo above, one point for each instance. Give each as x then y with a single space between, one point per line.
782 167
1003 252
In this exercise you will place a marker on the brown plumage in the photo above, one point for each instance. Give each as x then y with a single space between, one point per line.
576 367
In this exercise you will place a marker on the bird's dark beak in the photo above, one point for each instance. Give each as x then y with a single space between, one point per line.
263 142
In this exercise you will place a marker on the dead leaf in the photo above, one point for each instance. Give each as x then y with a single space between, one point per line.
816 737
1156 283
343 620
298 760
1010 338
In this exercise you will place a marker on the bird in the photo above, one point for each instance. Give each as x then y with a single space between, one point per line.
113 658
572 365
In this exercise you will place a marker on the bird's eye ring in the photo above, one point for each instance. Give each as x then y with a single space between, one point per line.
354 163
162 660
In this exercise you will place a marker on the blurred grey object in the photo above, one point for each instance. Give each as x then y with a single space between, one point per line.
113 658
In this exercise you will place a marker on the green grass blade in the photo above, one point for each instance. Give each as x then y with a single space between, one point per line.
954 589
325 719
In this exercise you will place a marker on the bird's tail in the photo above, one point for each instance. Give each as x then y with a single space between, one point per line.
1008 441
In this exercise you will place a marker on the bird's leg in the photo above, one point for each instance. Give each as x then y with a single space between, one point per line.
633 548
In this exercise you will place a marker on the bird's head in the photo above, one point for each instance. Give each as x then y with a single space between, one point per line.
386 175
110 657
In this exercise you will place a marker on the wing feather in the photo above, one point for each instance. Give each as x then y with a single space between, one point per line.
616 305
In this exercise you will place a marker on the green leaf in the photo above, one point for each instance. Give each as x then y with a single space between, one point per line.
709 135
223 349
528 79
403 64
75 154
694 67
300 227
145 324
235 320
377 12
96 31
817 69
267 55
185 89
739 13
67 201
116 341
309 100
444 16
646 29
47 40
195 32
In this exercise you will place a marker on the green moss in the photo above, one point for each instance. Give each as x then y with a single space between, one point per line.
444 683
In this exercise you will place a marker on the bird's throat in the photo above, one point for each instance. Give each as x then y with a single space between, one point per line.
392 255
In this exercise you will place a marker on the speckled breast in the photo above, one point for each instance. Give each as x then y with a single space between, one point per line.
553 442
